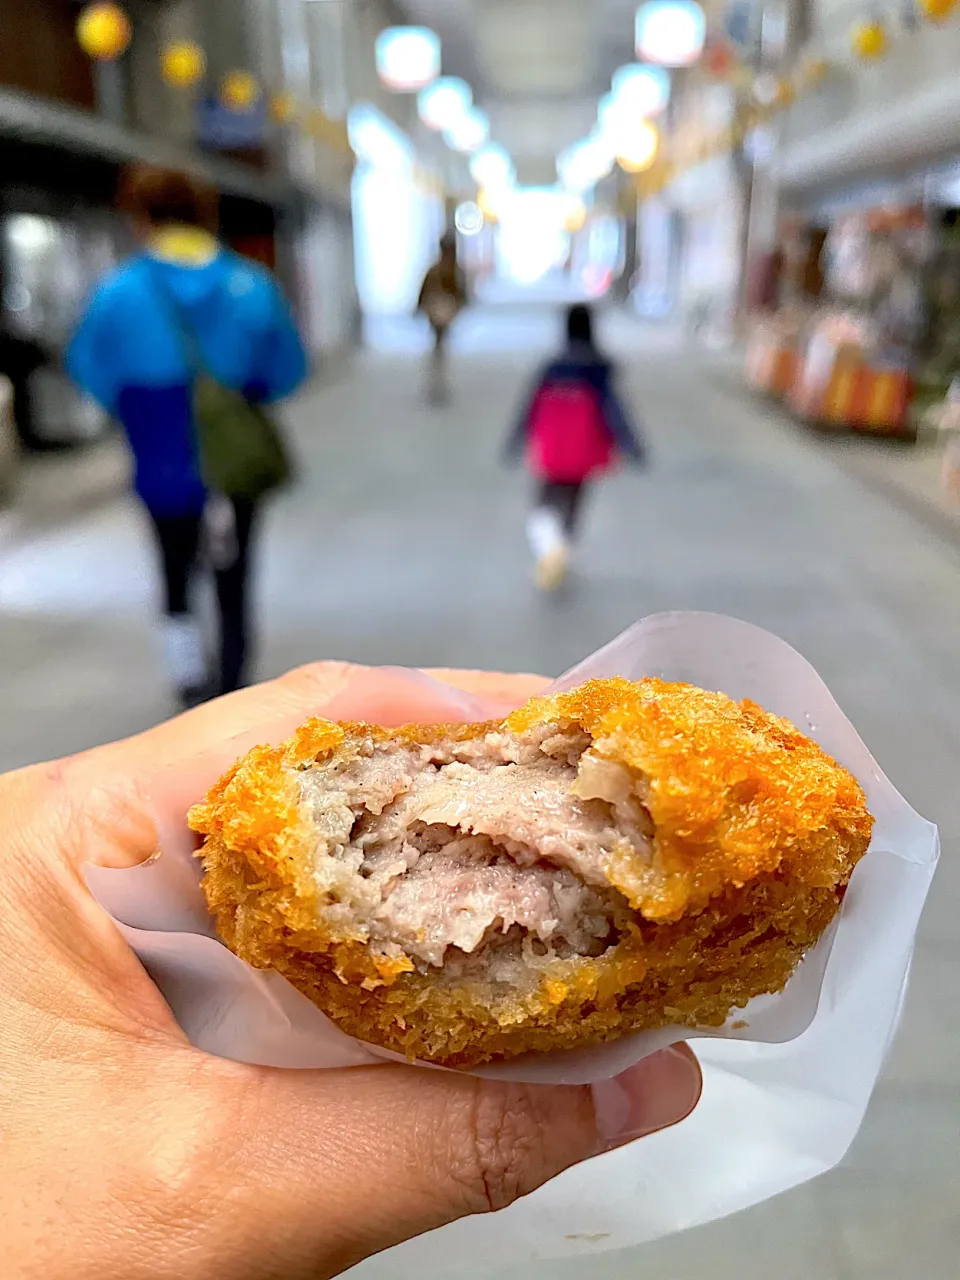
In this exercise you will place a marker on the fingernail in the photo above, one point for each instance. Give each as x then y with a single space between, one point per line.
657 1092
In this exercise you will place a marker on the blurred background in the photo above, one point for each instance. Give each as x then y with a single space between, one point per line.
759 200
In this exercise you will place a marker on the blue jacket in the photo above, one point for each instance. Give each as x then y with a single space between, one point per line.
582 364
131 353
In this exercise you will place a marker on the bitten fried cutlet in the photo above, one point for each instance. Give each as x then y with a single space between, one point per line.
621 857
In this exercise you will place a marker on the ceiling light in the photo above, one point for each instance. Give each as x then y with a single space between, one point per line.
469 133
444 102
491 166
376 140
638 151
586 163
642 89
670 33
468 218
407 57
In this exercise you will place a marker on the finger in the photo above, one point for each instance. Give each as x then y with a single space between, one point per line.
507 690
272 711
162 772
389 1153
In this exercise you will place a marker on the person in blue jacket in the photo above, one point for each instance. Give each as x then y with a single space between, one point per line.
185 300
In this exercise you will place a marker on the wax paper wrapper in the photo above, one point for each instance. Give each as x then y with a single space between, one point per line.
786 1082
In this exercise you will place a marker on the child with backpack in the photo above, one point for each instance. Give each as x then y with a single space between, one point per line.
572 430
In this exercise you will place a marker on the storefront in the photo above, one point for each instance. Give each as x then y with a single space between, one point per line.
708 200
844 345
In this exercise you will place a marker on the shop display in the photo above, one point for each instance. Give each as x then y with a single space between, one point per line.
855 302
772 355
950 471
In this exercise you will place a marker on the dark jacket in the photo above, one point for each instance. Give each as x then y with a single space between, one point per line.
584 365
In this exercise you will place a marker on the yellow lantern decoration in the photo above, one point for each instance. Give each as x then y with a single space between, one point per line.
575 217
870 40
786 93
937 10
282 108
183 64
239 91
318 126
104 32
813 70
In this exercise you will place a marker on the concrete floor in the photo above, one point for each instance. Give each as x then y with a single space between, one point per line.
404 544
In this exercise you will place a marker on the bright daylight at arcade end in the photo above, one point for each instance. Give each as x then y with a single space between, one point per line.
479 639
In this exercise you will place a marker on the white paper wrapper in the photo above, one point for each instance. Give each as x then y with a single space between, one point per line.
783 1097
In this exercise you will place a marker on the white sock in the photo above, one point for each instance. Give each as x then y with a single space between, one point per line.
220 532
544 532
183 650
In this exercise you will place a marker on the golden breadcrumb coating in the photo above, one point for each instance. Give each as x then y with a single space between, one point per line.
754 834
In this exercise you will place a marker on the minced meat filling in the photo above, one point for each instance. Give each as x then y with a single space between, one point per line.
443 851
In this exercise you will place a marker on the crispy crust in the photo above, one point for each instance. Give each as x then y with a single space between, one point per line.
757 832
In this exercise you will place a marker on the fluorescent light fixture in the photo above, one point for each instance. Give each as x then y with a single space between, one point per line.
407 57
670 33
376 140
468 218
586 163
469 133
642 89
613 119
623 129
491 166
442 103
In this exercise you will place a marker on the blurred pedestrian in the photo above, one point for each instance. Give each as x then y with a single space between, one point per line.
20 358
572 430
186 343
442 298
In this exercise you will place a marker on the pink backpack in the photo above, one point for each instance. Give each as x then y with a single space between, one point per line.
568 437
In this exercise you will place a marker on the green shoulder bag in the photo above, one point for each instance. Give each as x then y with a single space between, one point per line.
242 453
240 449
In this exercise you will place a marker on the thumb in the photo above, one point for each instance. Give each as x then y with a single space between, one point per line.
373 1156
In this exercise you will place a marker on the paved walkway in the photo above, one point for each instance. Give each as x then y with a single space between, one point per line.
404 544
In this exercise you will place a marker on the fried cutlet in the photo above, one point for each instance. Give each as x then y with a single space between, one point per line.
621 857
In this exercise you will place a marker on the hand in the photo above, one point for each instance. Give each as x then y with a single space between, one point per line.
127 1154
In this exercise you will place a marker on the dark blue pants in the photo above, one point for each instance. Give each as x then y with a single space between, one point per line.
179 544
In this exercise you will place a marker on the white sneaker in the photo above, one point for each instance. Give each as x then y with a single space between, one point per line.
552 568
549 546
183 648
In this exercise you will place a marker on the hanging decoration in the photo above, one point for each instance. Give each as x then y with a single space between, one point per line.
812 70
937 10
719 59
870 40
283 108
239 91
183 64
104 32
